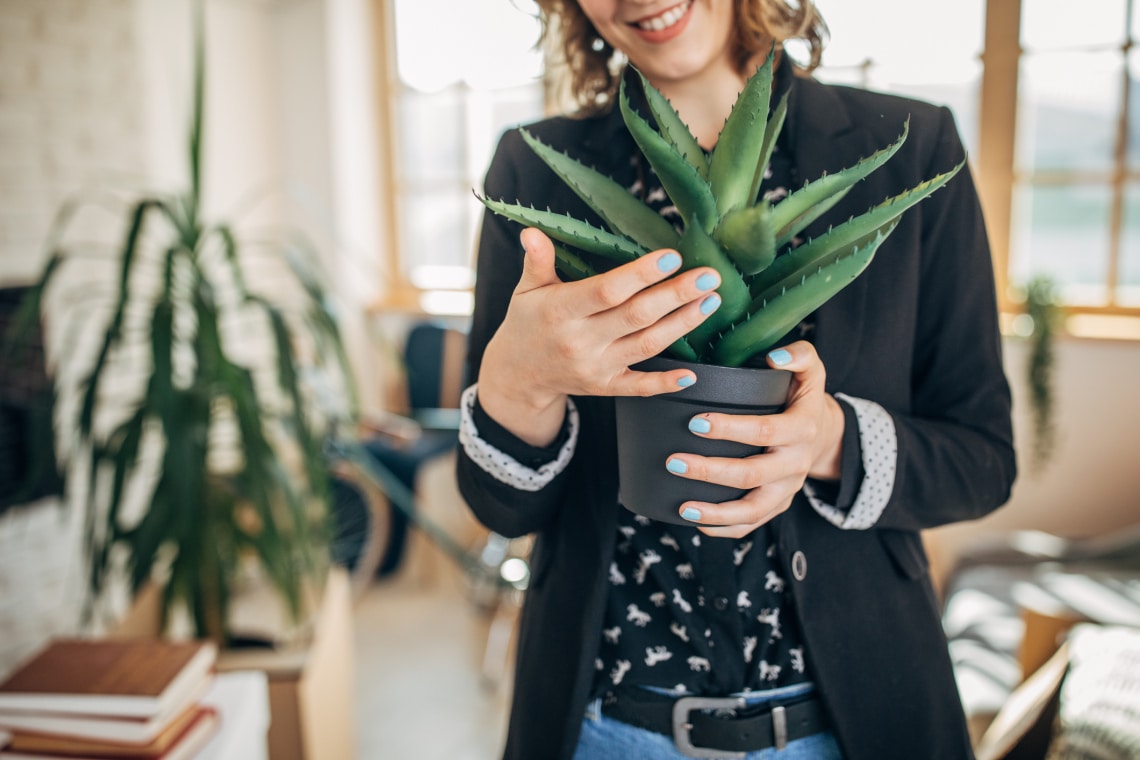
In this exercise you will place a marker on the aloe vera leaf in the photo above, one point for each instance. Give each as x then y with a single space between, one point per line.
765 326
733 163
571 265
680 349
852 232
689 191
806 265
569 230
811 201
612 202
673 129
771 132
697 249
747 236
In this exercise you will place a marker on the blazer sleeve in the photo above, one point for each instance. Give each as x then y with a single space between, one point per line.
955 443
498 505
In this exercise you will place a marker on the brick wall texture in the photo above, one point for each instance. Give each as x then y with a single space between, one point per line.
71 118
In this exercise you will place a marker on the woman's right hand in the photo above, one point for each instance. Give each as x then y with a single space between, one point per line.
580 338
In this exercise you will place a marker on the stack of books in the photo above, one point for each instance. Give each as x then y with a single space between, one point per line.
98 699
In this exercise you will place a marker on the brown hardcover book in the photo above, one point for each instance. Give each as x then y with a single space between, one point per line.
125 678
182 741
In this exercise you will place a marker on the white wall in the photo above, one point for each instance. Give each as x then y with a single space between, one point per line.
93 91
1091 485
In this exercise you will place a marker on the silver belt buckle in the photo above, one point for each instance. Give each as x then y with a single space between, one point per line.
682 726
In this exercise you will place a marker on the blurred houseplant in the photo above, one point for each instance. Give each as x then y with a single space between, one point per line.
213 461
1046 320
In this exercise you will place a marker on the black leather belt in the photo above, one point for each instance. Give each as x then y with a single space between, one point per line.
731 731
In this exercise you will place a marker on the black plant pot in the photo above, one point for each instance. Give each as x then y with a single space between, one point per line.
651 429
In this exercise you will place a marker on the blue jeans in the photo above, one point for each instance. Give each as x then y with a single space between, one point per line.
604 738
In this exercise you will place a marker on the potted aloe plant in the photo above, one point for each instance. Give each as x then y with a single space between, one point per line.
767 285
215 460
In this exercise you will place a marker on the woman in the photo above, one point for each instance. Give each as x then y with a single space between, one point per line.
803 609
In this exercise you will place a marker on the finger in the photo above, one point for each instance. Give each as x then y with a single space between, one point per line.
801 358
614 288
657 317
538 261
744 473
740 516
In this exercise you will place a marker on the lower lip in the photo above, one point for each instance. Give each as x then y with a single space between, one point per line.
657 36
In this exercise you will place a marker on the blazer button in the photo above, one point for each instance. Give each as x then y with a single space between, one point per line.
799 566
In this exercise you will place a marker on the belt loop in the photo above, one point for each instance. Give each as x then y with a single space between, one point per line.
780 727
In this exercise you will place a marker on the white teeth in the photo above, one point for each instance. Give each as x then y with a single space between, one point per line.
666 19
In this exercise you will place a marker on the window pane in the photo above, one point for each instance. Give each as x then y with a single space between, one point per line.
896 34
1068 106
1062 232
434 229
885 45
430 137
486 43
961 98
1053 24
1128 290
1134 107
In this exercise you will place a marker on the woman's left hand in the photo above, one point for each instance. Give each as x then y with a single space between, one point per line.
805 440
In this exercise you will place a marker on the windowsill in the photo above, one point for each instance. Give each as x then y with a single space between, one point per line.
1112 327
425 303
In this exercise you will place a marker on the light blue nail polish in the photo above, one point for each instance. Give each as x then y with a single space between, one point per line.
699 425
668 262
707 281
676 466
710 304
686 381
692 515
779 357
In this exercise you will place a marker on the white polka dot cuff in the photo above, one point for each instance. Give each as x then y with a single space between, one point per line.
504 467
879 445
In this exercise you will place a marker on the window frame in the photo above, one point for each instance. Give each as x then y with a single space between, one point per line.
995 164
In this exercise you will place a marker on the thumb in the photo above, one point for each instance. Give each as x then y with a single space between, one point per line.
538 262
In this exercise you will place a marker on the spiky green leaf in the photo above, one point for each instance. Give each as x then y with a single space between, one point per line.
775 318
684 185
791 215
673 129
619 209
574 232
748 237
734 161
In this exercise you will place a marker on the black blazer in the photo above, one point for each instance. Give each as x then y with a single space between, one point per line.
916 332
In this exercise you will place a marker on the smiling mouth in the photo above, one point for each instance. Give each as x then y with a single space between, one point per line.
663 21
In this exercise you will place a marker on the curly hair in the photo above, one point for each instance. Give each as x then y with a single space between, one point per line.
590 69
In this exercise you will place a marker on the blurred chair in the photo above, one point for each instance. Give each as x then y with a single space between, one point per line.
433 365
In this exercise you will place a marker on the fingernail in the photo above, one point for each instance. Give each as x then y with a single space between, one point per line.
676 466
779 357
699 425
707 281
686 381
668 262
692 515
710 304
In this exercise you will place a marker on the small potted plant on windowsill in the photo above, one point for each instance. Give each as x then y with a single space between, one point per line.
768 284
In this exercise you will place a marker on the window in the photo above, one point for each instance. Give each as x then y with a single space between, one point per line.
464 72
1048 108
1075 210
1046 103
